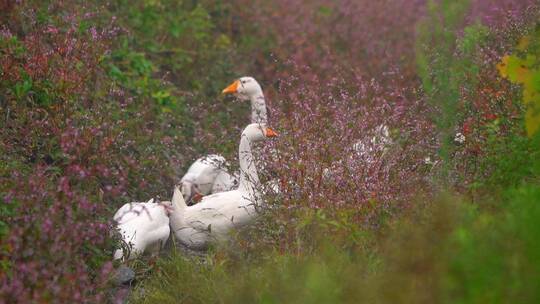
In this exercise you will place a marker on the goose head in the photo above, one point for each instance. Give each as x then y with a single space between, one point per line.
190 192
258 132
244 88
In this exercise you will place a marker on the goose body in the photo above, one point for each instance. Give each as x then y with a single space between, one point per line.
207 175
379 141
215 215
224 181
369 149
144 227
212 218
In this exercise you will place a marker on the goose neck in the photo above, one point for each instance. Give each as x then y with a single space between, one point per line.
249 179
258 108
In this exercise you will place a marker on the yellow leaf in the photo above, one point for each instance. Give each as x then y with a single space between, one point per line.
516 70
523 75
503 66
523 69
532 119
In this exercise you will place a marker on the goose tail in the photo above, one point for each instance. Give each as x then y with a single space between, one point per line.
178 210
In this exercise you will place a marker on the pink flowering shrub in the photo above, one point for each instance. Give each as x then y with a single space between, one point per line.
94 116
74 147
498 14
322 121
339 70
369 38
55 226
317 166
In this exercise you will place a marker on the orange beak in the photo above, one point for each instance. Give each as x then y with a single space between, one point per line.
232 88
271 133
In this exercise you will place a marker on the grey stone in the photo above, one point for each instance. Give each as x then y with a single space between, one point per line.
124 275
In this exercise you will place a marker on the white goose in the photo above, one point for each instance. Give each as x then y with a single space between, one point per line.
209 174
379 142
144 227
374 145
211 219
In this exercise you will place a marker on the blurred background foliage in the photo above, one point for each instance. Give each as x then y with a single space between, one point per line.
102 103
522 68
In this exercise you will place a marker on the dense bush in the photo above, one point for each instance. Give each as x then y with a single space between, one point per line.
55 223
88 123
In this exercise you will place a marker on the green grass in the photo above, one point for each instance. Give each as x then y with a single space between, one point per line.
450 252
